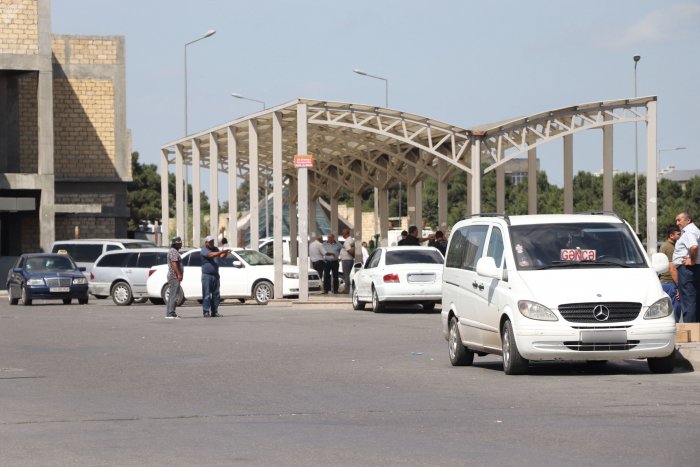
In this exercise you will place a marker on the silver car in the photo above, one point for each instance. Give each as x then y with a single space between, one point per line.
122 274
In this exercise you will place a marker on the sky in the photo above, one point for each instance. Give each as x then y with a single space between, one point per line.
461 62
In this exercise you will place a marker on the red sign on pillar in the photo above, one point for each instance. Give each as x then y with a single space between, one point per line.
303 161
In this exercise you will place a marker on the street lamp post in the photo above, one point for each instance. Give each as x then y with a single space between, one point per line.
658 156
267 217
209 33
386 105
636 59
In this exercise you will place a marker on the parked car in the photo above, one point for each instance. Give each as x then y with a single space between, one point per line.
244 274
405 274
85 251
46 276
122 274
554 287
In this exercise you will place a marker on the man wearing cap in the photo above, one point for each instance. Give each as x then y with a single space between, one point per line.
174 277
211 293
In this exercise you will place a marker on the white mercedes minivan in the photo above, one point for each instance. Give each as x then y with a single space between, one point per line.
554 287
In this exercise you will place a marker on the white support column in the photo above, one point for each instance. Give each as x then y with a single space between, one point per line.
293 220
568 174
196 197
532 181
179 192
419 207
232 186
277 212
213 187
302 148
254 183
383 207
411 196
334 216
312 215
443 207
501 188
164 199
475 190
607 165
357 216
652 170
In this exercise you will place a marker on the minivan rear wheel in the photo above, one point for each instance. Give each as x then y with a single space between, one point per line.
513 362
121 294
459 354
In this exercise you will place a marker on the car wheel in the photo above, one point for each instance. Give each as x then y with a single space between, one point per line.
180 295
513 362
121 294
662 364
377 306
83 301
13 300
263 292
157 301
429 306
66 301
25 297
459 354
357 304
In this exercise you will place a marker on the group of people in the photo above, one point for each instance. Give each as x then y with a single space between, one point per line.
410 238
327 257
682 281
211 286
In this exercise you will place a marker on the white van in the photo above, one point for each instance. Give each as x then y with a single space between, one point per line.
86 251
554 287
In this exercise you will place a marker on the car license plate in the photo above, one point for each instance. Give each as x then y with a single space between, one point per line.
604 336
59 289
314 283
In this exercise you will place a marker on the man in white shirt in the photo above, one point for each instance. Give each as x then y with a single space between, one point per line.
347 258
317 255
684 258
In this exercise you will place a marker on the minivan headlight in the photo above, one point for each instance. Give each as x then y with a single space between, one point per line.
660 309
291 275
534 310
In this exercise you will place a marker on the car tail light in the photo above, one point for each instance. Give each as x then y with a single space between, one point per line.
391 278
151 271
92 277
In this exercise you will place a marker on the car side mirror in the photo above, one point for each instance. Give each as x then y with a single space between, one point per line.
237 264
486 267
659 263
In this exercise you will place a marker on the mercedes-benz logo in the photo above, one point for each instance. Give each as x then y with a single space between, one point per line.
601 313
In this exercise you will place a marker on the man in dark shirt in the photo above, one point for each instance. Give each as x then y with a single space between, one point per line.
412 239
211 293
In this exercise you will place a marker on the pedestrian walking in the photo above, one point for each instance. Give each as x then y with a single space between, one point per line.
211 286
174 277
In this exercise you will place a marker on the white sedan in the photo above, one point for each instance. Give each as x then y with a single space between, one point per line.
243 274
408 274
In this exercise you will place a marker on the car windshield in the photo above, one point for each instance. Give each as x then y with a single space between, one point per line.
49 263
431 256
254 258
571 245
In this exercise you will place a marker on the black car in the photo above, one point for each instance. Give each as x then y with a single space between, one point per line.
46 276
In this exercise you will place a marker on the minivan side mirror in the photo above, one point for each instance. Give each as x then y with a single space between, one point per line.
486 267
659 263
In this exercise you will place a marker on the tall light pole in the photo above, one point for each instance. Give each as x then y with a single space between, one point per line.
636 59
209 33
267 217
658 155
376 190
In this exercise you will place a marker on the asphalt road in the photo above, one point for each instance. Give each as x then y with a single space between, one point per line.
313 385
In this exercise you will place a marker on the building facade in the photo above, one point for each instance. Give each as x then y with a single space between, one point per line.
64 147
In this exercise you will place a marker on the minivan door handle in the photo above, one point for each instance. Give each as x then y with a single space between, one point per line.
481 286
474 284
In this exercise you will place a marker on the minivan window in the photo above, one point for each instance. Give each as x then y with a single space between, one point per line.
466 247
80 252
495 250
575 245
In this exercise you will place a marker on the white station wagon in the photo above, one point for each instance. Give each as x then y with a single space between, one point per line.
554 287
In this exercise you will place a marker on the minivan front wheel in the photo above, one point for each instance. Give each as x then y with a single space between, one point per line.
662 364
459 354
513 362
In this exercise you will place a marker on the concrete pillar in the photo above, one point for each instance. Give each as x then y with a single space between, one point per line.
443 207
383 205
232 186
532 181
277 212
179 192
652 170
214 187
411 195
164 199
302 148
47 213
568 174
475 190
196 197
501 188
254 175
357 214
419 207
335 227
293 219
607 165
313 228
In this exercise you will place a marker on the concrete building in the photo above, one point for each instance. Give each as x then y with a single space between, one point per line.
64 146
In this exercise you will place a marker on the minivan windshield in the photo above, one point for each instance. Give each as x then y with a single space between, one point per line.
575 245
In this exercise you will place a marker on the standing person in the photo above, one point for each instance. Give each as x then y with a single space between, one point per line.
669 279
441 242
317 255
365 252
412 239
684 257
332 248
347 258
174 277
211 292
404 234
